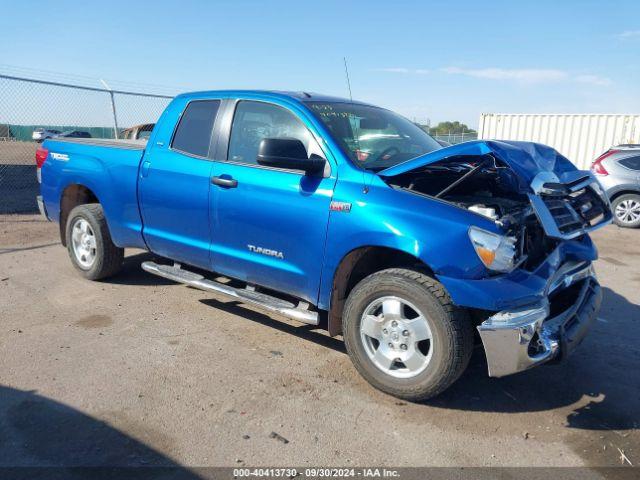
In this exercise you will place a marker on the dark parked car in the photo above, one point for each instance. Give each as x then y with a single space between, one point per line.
618 170
75 134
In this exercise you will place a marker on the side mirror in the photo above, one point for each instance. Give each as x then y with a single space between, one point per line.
288 153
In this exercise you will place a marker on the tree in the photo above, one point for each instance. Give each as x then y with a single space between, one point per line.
444 128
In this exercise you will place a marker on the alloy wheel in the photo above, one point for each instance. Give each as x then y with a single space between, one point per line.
628 211
396 337
84 243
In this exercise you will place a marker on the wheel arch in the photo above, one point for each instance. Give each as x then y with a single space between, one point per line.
358 264
626 191
73 195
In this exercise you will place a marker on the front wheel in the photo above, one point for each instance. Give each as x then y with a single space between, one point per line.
626 210
404 335
89 243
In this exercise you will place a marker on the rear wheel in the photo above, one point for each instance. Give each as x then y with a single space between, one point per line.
404 335
89 243
626 210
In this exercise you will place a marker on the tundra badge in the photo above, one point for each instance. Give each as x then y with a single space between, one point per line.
266 251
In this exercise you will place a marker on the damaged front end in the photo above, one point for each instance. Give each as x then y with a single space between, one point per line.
534 195
543 302
521 338
484 185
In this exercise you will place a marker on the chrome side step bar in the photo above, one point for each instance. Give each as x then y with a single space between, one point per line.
267 302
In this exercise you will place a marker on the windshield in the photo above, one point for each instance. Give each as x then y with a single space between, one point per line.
374 138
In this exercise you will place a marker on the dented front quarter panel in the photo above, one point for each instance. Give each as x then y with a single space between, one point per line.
520 287
436 231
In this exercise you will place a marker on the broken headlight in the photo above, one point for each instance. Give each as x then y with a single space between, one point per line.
497 252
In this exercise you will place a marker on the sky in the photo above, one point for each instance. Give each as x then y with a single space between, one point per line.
428 60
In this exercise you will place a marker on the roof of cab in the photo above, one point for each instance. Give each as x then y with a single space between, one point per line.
297 96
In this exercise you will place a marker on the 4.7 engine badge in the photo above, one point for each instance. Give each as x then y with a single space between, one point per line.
340 207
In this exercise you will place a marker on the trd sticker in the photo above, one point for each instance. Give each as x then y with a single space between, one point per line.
63 157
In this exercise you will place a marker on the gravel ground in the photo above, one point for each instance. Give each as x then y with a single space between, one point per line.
141 371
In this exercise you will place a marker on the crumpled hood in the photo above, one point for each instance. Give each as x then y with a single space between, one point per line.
527 159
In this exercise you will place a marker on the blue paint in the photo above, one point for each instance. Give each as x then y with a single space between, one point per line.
163 200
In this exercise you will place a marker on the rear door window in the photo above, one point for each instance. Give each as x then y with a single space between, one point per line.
193 134
632 163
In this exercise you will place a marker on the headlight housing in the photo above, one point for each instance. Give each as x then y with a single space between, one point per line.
497 252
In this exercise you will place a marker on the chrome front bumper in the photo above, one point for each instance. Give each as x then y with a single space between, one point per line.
515 340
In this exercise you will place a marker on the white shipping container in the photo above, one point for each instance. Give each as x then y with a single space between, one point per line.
579 137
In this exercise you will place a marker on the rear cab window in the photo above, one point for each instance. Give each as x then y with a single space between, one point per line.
193 133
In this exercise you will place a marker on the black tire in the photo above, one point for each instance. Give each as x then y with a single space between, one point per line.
450 326
108 258
618 202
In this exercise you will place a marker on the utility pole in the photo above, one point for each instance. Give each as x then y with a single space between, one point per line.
113 109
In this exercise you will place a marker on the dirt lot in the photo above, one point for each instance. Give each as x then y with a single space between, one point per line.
141 371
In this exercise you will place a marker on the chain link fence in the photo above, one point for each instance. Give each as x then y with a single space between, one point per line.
31 110
454 138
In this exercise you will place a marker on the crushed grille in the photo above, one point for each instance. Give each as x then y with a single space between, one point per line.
575 211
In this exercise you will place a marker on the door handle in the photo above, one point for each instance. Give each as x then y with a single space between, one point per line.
226 182
145 168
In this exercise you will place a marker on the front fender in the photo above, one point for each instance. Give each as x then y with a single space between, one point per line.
433 231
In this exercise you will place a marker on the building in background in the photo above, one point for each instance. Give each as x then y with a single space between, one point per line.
579 137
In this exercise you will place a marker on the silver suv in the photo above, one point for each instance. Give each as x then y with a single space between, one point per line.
618 171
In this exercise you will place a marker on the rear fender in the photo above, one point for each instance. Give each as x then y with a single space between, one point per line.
109 172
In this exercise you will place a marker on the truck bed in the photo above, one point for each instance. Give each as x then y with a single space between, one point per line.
108 169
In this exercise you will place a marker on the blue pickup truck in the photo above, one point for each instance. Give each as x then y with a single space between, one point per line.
347 216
